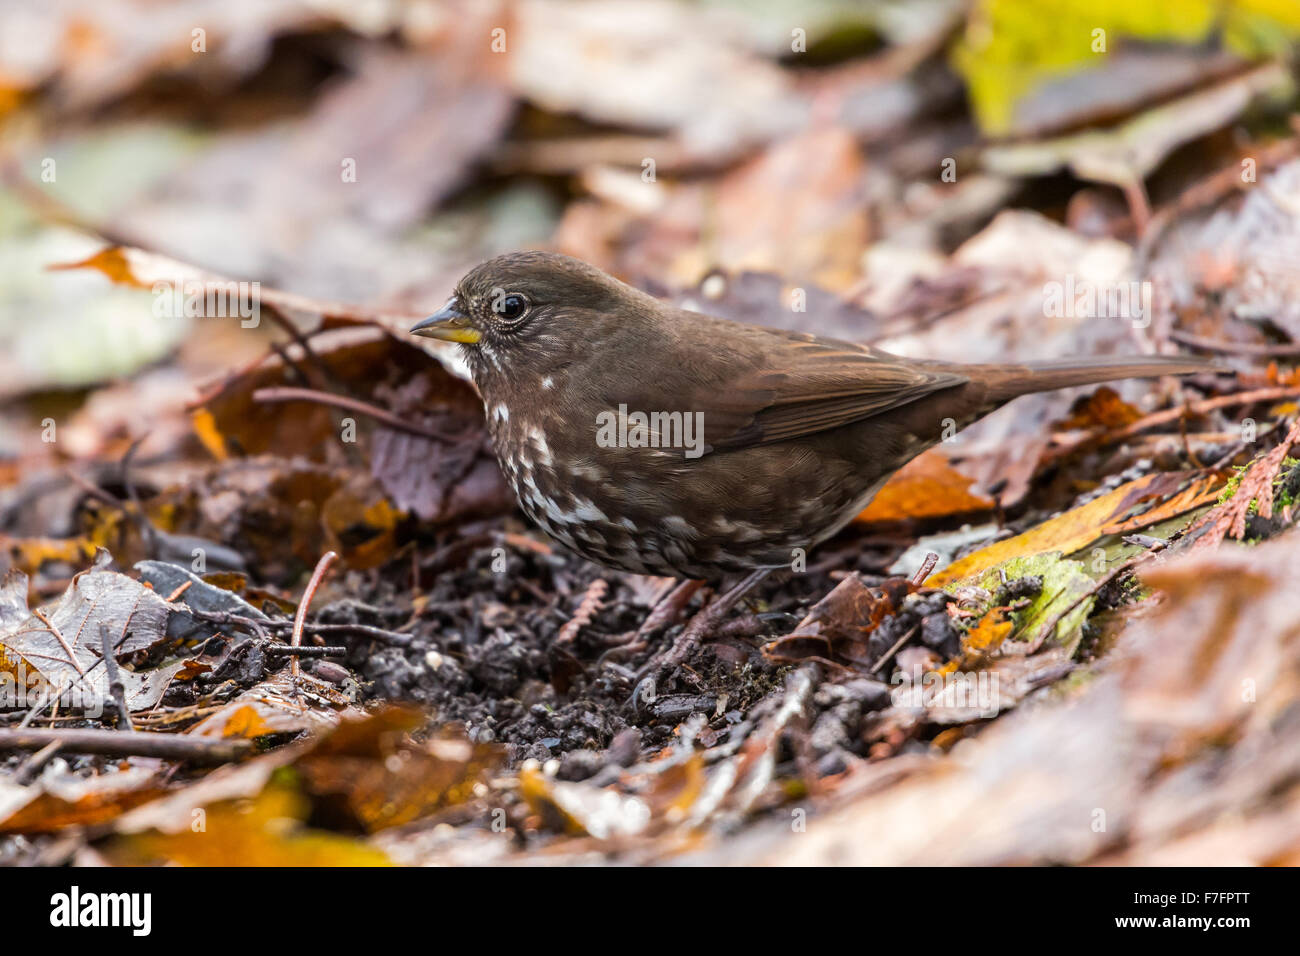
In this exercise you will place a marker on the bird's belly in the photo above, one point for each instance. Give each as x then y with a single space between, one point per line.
702 519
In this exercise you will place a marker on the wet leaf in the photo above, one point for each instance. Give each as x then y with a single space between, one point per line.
1080 527
61 645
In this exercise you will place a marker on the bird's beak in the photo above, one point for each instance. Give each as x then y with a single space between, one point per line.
449 324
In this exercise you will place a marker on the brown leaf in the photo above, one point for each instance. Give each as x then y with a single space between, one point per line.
62 798
838 627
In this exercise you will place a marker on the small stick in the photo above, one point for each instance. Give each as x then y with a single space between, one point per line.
1234 348
116 743
288 393
377 633
178 592
116 689
260 628
1102 436
894 650
29 768
923 572
299 619
279 650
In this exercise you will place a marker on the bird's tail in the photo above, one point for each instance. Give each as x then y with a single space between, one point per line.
1005 382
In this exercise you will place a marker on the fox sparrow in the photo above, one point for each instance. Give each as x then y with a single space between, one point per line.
660 441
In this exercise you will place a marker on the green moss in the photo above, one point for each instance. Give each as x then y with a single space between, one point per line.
1282 496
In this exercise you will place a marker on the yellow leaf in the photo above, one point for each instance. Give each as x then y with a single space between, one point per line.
1076 529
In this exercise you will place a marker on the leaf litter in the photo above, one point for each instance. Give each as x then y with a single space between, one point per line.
1114 633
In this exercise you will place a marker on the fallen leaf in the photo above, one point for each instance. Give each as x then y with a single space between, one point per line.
1077 528
926 487
62 644
264 830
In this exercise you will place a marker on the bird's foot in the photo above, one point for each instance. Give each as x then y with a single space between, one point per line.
704 623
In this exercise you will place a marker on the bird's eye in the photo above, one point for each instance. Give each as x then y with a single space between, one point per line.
511 307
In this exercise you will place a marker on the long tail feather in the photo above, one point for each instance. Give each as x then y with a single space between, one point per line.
1008 381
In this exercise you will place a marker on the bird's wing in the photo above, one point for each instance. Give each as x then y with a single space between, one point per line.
782 385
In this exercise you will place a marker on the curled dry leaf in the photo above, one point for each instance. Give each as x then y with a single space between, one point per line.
838 628
61 798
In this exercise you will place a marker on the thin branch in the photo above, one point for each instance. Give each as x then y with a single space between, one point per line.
116 743
1110 437
1288 350
329 650
318 575
116 689
287 393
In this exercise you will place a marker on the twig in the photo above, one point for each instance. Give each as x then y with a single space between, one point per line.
145 525
287 393
894 650
261 628
329 650
1234 348
178 592
378 633
29 768
318 575
116 689
1104 436
116 743
923 572
40 615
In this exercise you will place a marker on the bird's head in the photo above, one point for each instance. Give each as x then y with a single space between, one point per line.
533 313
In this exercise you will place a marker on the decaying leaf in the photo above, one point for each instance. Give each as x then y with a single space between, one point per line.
368 775
266 830
279 705
60 648
60 798
1055 613
839 627
1080 527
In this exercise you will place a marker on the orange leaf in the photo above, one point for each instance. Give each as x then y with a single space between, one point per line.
245 722
926 487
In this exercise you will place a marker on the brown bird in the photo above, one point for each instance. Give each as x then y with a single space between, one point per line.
661 441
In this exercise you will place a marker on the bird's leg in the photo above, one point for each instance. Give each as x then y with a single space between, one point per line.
669 608
665 613
699 627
